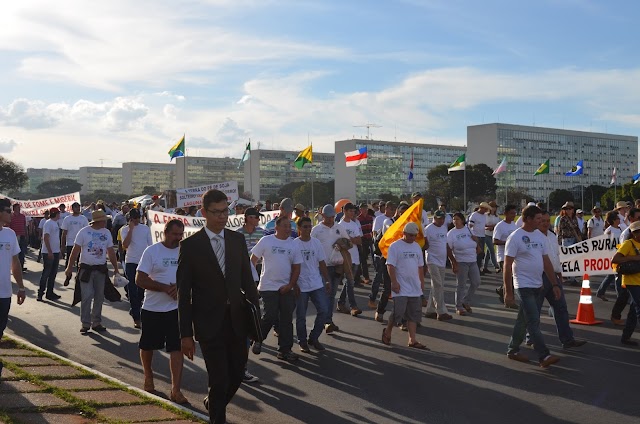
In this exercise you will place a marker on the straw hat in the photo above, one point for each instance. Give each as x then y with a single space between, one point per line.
97 216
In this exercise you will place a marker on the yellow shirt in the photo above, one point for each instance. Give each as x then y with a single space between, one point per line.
627 250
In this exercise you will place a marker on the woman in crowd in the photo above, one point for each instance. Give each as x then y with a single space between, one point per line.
630 251
464 247
614 231
492 220
567 230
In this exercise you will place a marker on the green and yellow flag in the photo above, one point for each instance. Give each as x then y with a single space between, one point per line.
544 168
177 150
305 156
458 165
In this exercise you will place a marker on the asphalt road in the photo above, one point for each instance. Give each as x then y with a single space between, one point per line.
465 378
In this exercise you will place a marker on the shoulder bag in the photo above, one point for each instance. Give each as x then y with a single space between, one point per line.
631 267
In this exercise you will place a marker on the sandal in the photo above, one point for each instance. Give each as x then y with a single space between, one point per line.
385 339
418 345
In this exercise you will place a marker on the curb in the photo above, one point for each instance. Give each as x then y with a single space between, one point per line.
112 379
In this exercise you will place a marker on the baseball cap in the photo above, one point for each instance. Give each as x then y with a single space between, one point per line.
411 228
252 212
299 206
439 214
363 205
531 204
416 194
54 210
485 205
579 211
349 206
328 211
155 197
286 205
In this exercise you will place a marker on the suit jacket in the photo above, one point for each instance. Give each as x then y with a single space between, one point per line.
203 289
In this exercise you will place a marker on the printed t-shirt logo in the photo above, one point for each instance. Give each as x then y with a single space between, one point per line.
307 254
280 250
5 246
409 255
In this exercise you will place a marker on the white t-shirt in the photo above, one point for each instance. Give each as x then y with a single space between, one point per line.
277 257
93 244
613 231
519 221
378 213
501 232
462 245
73 224
353 230
140 240
477 221
425 218
596 225
328 236
406 258
41 223
491 220
312 254
63 215
554 250
9 247
160 263
378 222
527 249
580 224
51 228
437 239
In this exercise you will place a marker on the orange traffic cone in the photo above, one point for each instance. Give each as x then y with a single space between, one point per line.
585 307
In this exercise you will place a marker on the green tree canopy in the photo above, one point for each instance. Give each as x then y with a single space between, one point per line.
481 185
322 194
12 176
557 198
58 187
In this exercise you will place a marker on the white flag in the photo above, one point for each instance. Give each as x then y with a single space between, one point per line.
613 177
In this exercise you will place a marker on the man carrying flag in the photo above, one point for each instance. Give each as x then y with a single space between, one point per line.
177 150
576 170
305 157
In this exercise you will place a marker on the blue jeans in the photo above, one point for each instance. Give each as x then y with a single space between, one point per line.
5 305
347 290
491 253
561 313
480 256
604 285
528 320
136 294
335 282
22 241
320 300
634 312
48 276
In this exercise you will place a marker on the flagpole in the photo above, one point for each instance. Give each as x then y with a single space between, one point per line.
251 173
465 186
312 194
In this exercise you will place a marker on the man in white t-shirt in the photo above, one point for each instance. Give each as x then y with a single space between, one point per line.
328 232
595 225
70 227
94 244
501 233
135 238
156 276
380 264
155 206
477 222
380 210
405 264
63 213
50 255
350 225
526 258
9 262
313 284
437 251
278 283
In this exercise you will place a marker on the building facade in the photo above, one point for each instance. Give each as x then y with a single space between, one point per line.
387 168
138 175
268 170
527 147
95 178
192 171
38 176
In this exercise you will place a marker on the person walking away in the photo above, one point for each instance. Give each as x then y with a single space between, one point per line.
464 246
501 233
437 251
71 225
492 221
630 251
477 224
50 256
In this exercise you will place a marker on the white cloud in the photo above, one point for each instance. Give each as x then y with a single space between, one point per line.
7 146
125 114
230 133
33 114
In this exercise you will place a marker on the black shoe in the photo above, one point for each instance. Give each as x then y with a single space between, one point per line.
39 298
206 402
53 296
316 345
287 356
256 348
99 328
84 330
500 293
574 343
628 342
304 347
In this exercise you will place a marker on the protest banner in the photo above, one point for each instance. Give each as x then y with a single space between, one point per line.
193 224
592 256
193 196
35 208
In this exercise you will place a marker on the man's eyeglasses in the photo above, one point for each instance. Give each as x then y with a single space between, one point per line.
216 212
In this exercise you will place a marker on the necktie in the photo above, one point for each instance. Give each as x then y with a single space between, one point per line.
219 251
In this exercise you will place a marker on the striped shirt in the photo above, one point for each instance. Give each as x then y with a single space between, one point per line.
19 224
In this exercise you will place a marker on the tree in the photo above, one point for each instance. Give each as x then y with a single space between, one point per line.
106 196
322 194
12 176
389 197
149 190
514 196
481 185
557 198
58 187
593 194
288 189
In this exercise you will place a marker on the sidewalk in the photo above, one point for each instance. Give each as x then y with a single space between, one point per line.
39 387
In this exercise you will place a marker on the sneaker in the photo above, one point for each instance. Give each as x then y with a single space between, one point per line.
39 298
617 321
379 317
432 315
602 297
574 343
520 357
355 312
404 327
304 347
461 312
316 345
84 330
53 296
467 307
330 328
444 317
498 270
288 356
99 328
484 271
372 304
628 342
249 378
342 308
549 360
256 348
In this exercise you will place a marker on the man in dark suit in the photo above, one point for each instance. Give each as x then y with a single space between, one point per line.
213 266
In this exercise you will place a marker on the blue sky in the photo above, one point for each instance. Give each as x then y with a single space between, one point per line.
122 81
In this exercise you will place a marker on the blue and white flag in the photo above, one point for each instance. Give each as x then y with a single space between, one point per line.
576 170
636 178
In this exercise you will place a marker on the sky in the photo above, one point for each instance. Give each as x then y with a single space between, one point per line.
88 83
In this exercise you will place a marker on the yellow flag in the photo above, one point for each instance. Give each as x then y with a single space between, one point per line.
413 214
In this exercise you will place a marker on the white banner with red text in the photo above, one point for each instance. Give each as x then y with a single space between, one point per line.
193 196
592 256
192 224
39 206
